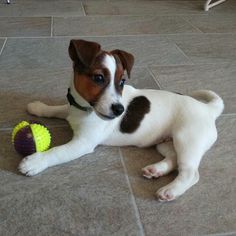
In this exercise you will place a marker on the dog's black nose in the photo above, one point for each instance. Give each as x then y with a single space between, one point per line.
117 109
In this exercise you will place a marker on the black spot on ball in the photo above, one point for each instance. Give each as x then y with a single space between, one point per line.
134 114
24 141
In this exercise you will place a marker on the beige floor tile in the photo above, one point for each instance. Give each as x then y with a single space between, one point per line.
185 79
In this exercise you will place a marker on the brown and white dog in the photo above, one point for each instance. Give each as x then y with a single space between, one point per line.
104 111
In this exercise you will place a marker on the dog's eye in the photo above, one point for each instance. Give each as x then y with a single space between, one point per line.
99 79
122 83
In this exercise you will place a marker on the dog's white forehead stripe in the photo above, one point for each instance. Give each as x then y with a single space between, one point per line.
110 94
110 63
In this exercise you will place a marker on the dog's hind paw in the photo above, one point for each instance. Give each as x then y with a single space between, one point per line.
165 194
151 172
36 108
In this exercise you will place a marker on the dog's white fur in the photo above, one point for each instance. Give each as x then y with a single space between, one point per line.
188 121
103 107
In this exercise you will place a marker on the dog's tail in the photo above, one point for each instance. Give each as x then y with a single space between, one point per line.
211 99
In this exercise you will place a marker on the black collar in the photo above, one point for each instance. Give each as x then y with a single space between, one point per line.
72 102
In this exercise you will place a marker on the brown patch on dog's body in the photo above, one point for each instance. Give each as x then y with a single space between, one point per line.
134 115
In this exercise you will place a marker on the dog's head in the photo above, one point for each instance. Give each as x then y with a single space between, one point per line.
99 76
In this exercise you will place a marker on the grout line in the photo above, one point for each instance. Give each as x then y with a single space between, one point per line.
4 43
182 52
30 37
152 14
202 13
196 64
154 77
48 126
196 28
228 114
222 234
217 14
132 195
165 36
120 15
93 36
212 33
104 16
164 65
6 129
139 66
52 26
82 5
42 16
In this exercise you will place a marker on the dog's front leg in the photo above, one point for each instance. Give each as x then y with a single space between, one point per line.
37 162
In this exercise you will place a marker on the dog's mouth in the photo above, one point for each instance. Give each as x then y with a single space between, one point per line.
105 117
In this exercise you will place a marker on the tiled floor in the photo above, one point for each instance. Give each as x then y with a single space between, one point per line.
177 47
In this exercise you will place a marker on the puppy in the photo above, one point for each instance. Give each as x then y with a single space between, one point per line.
102 110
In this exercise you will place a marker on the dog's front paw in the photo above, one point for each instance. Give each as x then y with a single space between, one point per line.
33 164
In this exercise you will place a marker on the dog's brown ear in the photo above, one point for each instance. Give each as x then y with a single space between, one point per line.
83 52
126 59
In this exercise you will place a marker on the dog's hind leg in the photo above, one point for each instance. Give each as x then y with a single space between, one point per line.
165 166
190 141
42 110
190 147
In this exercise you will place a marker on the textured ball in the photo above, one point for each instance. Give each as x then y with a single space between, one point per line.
29 138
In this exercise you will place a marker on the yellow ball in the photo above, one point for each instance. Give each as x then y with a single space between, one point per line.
30 137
